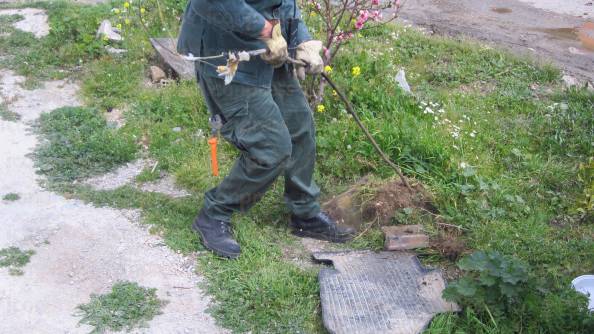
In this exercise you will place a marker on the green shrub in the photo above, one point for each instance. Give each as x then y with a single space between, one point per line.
501 288
14 259
494 280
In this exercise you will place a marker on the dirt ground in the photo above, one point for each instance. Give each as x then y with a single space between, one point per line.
79 249
559 31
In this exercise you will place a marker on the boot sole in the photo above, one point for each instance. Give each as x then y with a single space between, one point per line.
318 236
222 253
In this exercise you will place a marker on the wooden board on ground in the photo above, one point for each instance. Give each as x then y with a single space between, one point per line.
166 48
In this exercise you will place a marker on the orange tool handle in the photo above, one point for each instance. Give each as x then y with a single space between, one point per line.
213 156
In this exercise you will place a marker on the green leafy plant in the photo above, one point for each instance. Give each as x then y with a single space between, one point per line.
11 197
127 306
7 115
493 280
586 203
14 258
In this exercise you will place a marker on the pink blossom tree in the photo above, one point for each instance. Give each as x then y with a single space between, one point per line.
342 20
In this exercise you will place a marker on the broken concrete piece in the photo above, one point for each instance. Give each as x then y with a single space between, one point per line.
107 30
404 237
167 50
157 74
385 292
570 81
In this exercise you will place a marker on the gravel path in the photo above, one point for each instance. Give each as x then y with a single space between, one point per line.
80 249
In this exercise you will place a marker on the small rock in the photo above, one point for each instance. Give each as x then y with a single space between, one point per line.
404 237
114 118
114 51
590 86
107 30
176 129
157 74
575 51
569 81
401 80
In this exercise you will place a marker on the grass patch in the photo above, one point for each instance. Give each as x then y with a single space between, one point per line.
126 307
7 115
501 161
78 143
148 175
11 197
15 259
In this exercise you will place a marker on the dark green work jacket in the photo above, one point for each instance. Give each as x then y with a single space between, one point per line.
212 27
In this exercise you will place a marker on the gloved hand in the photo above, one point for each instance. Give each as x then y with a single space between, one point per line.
276 46
309 53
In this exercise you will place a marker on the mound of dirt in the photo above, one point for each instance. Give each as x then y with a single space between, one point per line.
449 244
376 201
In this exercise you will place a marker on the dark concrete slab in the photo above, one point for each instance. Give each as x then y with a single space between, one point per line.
385 292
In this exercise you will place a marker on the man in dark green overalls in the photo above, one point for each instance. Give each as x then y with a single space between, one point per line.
264 112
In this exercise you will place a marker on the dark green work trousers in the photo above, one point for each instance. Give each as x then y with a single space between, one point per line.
274 131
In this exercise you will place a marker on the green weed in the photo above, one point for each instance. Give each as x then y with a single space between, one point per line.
148 175
7 115
127 306
11 197
15 259
78 143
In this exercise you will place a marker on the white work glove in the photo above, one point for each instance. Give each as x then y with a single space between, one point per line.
276 48
309 53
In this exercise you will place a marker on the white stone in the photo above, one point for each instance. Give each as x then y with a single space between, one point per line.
107 30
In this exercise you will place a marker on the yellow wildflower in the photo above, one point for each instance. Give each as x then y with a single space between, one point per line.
127 21
119 26
356 71
127 4
116 10
328 69
334 93
321 108
142 10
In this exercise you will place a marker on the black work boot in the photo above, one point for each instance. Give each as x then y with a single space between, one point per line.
216 236
321 227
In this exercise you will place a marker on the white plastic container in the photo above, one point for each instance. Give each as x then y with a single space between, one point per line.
585 285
